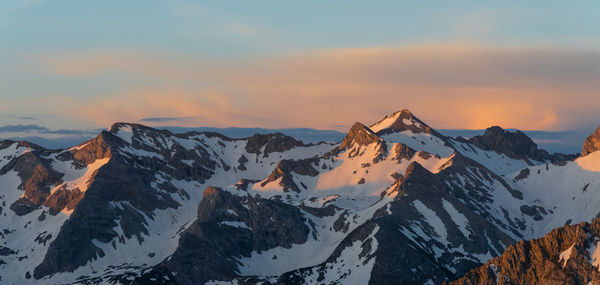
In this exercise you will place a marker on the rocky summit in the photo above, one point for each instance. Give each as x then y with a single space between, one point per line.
394 202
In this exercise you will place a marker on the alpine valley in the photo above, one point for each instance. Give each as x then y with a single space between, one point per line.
395 202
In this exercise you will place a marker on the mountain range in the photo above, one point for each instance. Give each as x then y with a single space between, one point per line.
394 202
552 141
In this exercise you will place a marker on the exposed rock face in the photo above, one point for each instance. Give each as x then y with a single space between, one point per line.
389 238
63 198
146 177
524 173
404 121
356 141
284 171
97 148
37 177
37 185
227 227
592 143
567 255
402 151
515 144
359 134
277 142
94 218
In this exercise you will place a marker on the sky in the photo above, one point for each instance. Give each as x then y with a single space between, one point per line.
82 65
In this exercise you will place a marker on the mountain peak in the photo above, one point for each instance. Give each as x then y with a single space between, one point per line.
400 121
124 126
514 144
127 131
268 143
592 143
359 134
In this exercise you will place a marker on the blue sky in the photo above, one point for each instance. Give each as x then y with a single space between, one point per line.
237 28
86 64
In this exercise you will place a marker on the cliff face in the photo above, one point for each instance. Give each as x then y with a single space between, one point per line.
566 255
592 143
514 144
360 135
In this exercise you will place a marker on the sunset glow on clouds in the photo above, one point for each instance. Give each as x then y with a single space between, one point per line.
225 66
451 86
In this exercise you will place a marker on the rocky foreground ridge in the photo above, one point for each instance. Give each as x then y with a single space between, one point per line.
566 255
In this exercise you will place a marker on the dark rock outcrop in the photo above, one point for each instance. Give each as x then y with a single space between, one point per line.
94 217
515 145
276 142
402 151
357 139
396 232
359 134
37 177
214 244
415 125
430 190
88 152
284 171
524 173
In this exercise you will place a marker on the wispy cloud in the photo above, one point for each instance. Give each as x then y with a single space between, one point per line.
22 128
451 86
198 20
17 117
164 120
37 129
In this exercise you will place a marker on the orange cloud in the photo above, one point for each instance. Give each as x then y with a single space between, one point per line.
450 86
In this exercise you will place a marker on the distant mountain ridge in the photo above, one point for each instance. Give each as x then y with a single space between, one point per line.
561 141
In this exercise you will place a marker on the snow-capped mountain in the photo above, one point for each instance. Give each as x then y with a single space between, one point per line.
393 202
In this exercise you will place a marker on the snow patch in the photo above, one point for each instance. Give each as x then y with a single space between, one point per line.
125 132
594 252
14 150
566 255
432 219
83 181
420 141
236 224
496 162
590 162
459 219
385 123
